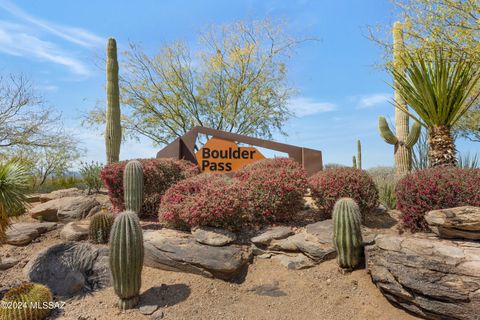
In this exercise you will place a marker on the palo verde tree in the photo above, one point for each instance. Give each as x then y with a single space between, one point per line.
234 80
440 87
447 24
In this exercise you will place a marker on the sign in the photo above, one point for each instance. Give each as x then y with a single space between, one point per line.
218 155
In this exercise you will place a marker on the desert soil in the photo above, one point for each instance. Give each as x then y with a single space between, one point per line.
270 291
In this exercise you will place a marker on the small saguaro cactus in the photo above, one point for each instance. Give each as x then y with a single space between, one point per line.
113 129
405 138
354 162
126 258
28 299
100 226
347 233
133 186
359 155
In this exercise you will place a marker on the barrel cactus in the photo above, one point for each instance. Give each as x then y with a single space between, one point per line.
126 258
347 233
133 186
100 226
30 301
113 129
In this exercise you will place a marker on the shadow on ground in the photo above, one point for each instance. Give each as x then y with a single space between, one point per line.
165 295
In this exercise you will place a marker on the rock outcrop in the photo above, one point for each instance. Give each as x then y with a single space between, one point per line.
66 209
70 268
71 192
176 251
21 234
459 223
75 230
431 277
213 236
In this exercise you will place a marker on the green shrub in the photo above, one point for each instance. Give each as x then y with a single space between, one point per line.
384 178
91 175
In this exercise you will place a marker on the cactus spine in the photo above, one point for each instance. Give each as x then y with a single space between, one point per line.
113 130
347 233
27 295
100 226
133 186
404 139
126 258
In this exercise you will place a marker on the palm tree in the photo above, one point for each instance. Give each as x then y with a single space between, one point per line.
439 87
13 188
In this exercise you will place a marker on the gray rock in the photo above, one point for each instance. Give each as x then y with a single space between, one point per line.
460 222
322 230
75 230
294 262
171 250
21 234
65 209
306 243
70 268
213 236
275 233
71 192
431 277
157 315
7 263
148 309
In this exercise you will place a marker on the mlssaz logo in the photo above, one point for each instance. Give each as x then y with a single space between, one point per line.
218 155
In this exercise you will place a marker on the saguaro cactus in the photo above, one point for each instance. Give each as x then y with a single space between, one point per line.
126 258
113 130
359 155
354 162
347 232
133 186
405 138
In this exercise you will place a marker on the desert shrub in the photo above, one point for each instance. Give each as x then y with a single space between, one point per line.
333 166
91 175
204 200
435 188
159 175
274 189
384 178
330 185
57 183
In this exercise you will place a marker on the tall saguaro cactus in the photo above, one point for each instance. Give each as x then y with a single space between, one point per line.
404 138
359 154
113 130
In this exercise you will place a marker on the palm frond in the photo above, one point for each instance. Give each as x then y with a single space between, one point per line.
438 86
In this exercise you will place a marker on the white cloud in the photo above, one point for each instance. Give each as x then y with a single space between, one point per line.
16 40
72 34
25 35
373 100
302 106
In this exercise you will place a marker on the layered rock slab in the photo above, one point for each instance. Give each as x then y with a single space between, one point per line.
21 234
176 251
431 277
459 223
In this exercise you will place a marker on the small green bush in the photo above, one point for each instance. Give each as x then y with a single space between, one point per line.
91 175
384 178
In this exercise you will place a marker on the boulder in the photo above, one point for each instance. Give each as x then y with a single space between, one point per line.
171 250
431 277
71 192
21 234
306 243
75 230
294 262
322 230
70 268
275 233
460 222
7 263
213 236
66 209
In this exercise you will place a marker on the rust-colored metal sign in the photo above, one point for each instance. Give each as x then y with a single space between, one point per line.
219 155
183 148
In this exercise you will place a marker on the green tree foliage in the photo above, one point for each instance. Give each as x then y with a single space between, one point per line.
234 80
448 24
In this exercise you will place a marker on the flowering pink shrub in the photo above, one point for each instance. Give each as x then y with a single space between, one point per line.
205 200
435 188
330 185
274 189
159 175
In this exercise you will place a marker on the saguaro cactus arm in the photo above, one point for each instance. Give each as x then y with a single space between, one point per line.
413 135
385 131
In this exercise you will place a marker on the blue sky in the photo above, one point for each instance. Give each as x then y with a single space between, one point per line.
58 45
